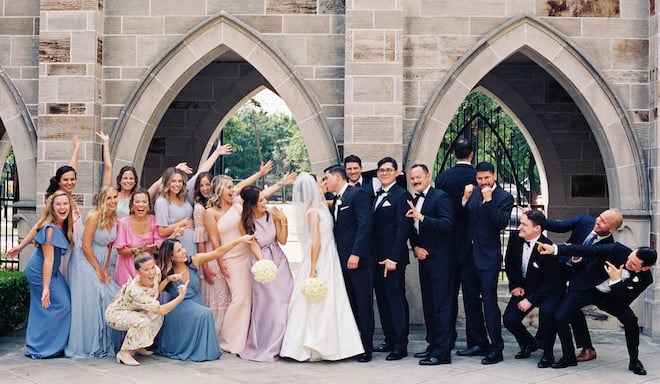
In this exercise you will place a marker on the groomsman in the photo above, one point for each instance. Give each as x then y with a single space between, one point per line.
390 232
432 213
489 210
353 165
623 275
453 181
351 209
535 282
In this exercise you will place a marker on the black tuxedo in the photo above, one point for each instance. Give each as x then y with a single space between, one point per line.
482 260
543 288
436 272
617 302
453 181
352 232
390 233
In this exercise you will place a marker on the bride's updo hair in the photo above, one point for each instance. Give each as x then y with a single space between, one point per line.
307 195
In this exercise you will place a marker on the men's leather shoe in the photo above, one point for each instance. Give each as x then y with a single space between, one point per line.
586 354
564 362
546 361
433 361
527 350
396 355
492 358
637 367
364 358
472 351
422 355
384 347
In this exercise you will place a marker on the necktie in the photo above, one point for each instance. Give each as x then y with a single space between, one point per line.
481 202
358 184
590 239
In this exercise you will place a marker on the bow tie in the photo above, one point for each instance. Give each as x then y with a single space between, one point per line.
528 243
420 194
380 192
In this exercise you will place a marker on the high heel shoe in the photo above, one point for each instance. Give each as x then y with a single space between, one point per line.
125 361
144 352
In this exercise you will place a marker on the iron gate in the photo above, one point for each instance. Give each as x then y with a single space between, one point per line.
8 227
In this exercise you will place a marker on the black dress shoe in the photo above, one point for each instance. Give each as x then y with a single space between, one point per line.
472 351
384 347
364 358
422 355
396 355
433 361
545 362
637 367
492 358
527 350
564 362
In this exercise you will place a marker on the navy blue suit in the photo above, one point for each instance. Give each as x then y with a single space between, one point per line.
543 288
352 232
617 302
482 261
391 229
436 272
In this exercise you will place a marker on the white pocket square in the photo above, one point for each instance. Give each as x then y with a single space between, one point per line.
535 265
345 207
387 204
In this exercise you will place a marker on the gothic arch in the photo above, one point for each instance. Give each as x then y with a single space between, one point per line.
139 119
21 133
624 164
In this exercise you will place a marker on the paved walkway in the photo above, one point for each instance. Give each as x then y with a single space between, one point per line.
611 366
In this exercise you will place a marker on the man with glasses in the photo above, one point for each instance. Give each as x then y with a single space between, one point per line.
390 233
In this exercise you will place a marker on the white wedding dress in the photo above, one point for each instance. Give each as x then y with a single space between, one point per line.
325 329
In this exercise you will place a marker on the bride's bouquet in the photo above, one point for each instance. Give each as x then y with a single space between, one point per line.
314 288
264 271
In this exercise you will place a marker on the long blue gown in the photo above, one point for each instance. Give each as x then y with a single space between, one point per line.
188 331
90 335
48 328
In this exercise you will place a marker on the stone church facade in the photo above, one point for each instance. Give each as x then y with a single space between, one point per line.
369 77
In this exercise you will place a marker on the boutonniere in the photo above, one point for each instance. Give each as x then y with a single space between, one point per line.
635 279
340 201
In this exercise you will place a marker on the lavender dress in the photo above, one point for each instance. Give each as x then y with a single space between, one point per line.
270 301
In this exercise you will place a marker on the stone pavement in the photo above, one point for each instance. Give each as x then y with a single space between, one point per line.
611 366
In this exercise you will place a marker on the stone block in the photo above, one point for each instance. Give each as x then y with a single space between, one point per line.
174 7
69 5
21 8
78 109
291 6
57 108
55 48
373 129
243 7
373 89
197 89
571 27
463 8
76 89
59 127
420 51
111 73
5 46
64 21
483 25
368 46
360 19
180 24
116 92
306 24
336 7
630 54
83 47
616 28
142 25
598 50
577 8
132 73
375 4
388 19
17 26
264 24
325 50
30 72
150 48
327 91
112 25
66 69
333 111
329 73
119 51
29 90
438 24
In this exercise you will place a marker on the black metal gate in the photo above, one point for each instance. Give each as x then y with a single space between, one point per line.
8 228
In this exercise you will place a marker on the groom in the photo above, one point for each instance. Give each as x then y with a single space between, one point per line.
351 210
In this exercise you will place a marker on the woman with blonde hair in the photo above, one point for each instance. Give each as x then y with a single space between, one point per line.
172 209
49 319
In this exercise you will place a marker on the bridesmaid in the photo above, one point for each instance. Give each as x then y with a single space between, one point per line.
188 332
137 311
270 301
91 285
49 319
173 211
135 232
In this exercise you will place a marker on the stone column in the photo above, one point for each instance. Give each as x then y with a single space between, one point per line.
70 91
373 96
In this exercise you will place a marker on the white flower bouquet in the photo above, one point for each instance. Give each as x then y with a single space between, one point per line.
264 271
314 288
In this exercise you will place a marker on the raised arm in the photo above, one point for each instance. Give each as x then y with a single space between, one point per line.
220 251
73 161
263 171
153 189
288 178
219 151
107 160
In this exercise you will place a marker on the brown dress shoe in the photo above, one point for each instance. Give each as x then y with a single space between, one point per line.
586 354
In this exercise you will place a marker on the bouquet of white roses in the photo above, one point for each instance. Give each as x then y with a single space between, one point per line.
264 271
314 288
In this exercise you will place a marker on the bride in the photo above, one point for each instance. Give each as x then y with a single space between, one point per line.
322 329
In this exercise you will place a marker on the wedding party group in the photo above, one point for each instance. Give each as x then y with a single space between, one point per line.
202 270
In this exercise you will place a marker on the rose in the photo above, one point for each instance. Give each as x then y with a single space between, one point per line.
264 271
314 288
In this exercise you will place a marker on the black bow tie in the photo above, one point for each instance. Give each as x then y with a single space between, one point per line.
528 243
420 194
380 192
